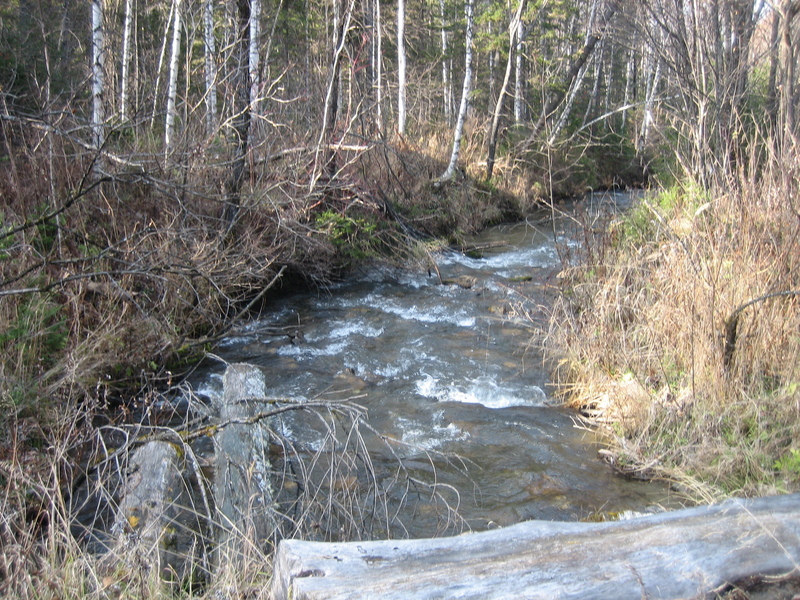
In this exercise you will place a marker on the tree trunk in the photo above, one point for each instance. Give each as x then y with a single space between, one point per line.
401 67
98 74
575 69
465 91
377 40
159 68
241 115
126 60
514 39
519 80
243 491
253 62
172 89
209 47
789 11
331 108
630 86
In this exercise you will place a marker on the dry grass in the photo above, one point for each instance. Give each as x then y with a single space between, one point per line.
639 338
108 301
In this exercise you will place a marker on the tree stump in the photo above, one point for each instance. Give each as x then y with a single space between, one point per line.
156 522
242 490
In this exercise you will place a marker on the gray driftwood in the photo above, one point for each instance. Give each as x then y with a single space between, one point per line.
242 491
155 519
682 554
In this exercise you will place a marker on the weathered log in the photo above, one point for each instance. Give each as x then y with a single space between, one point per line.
155 519
242 490
688 553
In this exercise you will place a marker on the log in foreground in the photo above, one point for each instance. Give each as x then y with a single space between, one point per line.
689 553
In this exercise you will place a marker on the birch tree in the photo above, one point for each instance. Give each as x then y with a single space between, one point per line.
519 79
447 86
172 89
98 73
253 60
401 67
209 48
377 63
513 40
465 92
126 60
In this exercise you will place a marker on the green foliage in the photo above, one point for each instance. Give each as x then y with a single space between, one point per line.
39 332
789 463
34 51
354 237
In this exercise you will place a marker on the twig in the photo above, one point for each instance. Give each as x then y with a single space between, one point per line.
732 324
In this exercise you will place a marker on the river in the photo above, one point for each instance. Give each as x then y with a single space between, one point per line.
452 377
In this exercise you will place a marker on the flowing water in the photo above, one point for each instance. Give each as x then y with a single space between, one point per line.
447 371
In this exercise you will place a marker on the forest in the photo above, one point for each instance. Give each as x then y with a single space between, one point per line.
167 166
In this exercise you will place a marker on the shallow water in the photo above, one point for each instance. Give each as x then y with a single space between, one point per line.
454 376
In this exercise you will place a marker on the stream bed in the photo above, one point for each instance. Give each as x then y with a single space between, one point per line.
453 377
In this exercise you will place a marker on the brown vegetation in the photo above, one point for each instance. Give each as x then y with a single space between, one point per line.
645 346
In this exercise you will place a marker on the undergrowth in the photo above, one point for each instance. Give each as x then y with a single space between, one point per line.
678 335
115 278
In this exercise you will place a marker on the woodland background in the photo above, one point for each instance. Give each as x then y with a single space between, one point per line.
167 165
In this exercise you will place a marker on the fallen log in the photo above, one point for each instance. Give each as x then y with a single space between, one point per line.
690 553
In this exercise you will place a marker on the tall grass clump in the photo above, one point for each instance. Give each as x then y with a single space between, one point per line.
679 335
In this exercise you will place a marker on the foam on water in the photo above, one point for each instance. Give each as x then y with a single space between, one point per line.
483 390
429 435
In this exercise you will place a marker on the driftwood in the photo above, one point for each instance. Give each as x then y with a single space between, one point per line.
690 553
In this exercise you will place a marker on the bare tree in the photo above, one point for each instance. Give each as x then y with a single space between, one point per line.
447 84
172 89
98 73
240 75
576 69
253 61
513 41
126 60
469 11
209 47
401 67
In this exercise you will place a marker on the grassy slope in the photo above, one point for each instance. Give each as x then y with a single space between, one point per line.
639 339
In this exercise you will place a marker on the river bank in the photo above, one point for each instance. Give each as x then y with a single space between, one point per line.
676 334
114 291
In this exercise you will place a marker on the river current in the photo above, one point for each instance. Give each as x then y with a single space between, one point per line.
453 375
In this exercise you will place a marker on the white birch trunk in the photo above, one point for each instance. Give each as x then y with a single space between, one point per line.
513 40
161 56
562 119
649 103
253 60
401 67
630 72
98 73
447 87
519 82
378 65
126 61
210 66
465 92
172 89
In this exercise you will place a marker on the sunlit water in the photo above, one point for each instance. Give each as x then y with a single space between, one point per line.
447 371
